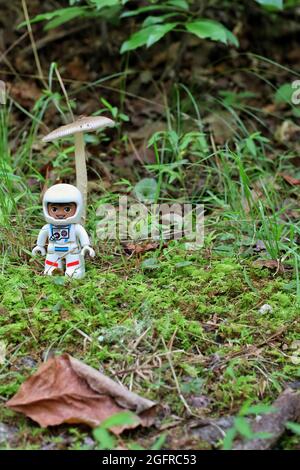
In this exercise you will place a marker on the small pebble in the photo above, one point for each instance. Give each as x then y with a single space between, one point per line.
6 433
266 308
28 362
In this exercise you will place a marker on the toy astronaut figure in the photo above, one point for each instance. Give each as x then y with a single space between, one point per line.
67 239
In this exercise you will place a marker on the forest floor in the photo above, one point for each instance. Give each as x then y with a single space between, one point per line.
204 333
200 311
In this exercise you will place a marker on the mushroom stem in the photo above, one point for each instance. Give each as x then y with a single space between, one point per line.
81 171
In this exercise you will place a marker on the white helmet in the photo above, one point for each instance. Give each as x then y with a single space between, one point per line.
60 194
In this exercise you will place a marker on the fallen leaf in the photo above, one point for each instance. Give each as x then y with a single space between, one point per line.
290 179
65 390
77 69
269 108
272 264
26 93
222 125
146 131
288 131
135 248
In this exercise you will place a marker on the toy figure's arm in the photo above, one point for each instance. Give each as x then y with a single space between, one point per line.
41 241
84 241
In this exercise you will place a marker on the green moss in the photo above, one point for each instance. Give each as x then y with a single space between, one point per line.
206 312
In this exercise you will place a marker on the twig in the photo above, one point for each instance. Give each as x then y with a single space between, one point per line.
12 46
34 50
168 354
135 345
64 92
51 37
90 340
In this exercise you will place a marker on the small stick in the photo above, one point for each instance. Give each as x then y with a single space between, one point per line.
168 354
64 92
34 50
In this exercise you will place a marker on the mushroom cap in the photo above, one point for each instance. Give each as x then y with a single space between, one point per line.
84 124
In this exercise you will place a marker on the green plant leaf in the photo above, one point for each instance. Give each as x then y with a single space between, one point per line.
145 190
59 16
250 144
104 438
120 419
135 446
277 4
151 20
243 427
183 264
257 409
209 29
159 442
182 4
229 438
147 36
162 6
105 3
284 93
150 263
294 427
159 32
262 435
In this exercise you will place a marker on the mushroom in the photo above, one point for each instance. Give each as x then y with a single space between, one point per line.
77 128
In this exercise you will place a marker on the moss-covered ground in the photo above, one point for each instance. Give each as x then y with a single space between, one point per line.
196 315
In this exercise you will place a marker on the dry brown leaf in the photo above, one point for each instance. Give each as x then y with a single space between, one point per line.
290 179
65 390
272 264
146 131
288 131
136 248
222 125
26 93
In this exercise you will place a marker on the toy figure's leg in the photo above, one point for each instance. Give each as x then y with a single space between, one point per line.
52 262
75 266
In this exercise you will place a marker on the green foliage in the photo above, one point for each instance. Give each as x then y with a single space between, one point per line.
104 438
147 36
61 16
242 428
154 27
209 29
116 114
276 4
106 3
157 19
284 93
176 301
150 263
294 427
146 190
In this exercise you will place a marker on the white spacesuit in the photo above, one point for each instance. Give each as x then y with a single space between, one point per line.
67 239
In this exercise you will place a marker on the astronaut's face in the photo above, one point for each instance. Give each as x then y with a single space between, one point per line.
62 211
